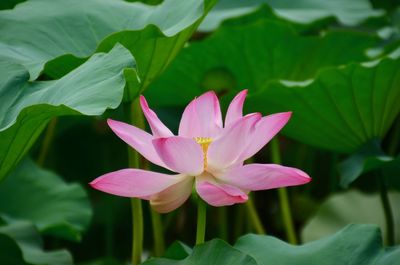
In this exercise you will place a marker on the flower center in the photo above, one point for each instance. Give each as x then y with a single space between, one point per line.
204 142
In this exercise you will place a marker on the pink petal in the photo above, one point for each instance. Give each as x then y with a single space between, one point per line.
235 109
265 176
180 154
263 132
202 117
220 194
138 139
227 148
172 197
133 182
157 127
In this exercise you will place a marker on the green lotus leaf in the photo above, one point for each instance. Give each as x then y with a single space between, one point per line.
20 244
177 250
36 32
266 12
369 157
302 11
350 207
249 56
215 251
353 245
56 37
26 107
342 109
44 199
338 104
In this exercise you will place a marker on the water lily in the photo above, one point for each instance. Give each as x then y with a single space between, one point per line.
205 153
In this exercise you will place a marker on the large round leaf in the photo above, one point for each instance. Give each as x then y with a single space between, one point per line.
342 109
20 244
36 32
370 157
57 34
215 251
43 198
249 56
26 107
339 108
350 207
353 245
301 11
265 12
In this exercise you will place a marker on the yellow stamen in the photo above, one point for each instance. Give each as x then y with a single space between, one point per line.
204 142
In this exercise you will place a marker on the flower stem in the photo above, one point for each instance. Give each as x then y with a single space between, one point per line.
137 221
223 223
159 245
254 218
287 216
239 224
283 197
255 221
158 231
201 221
387 210
48 139
136 118
395 138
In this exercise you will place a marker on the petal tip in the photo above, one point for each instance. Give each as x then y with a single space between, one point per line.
94 184
287 114
143 102
115 125
244 92
240 98
282 117
306 177
209 94
112 122
302 177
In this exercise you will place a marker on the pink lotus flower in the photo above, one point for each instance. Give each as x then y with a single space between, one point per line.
204 153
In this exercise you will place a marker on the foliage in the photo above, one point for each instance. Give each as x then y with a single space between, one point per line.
20 244
296 70
30 105
43 198
251 56
303 11
334 64
349 207
354 244
22 48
